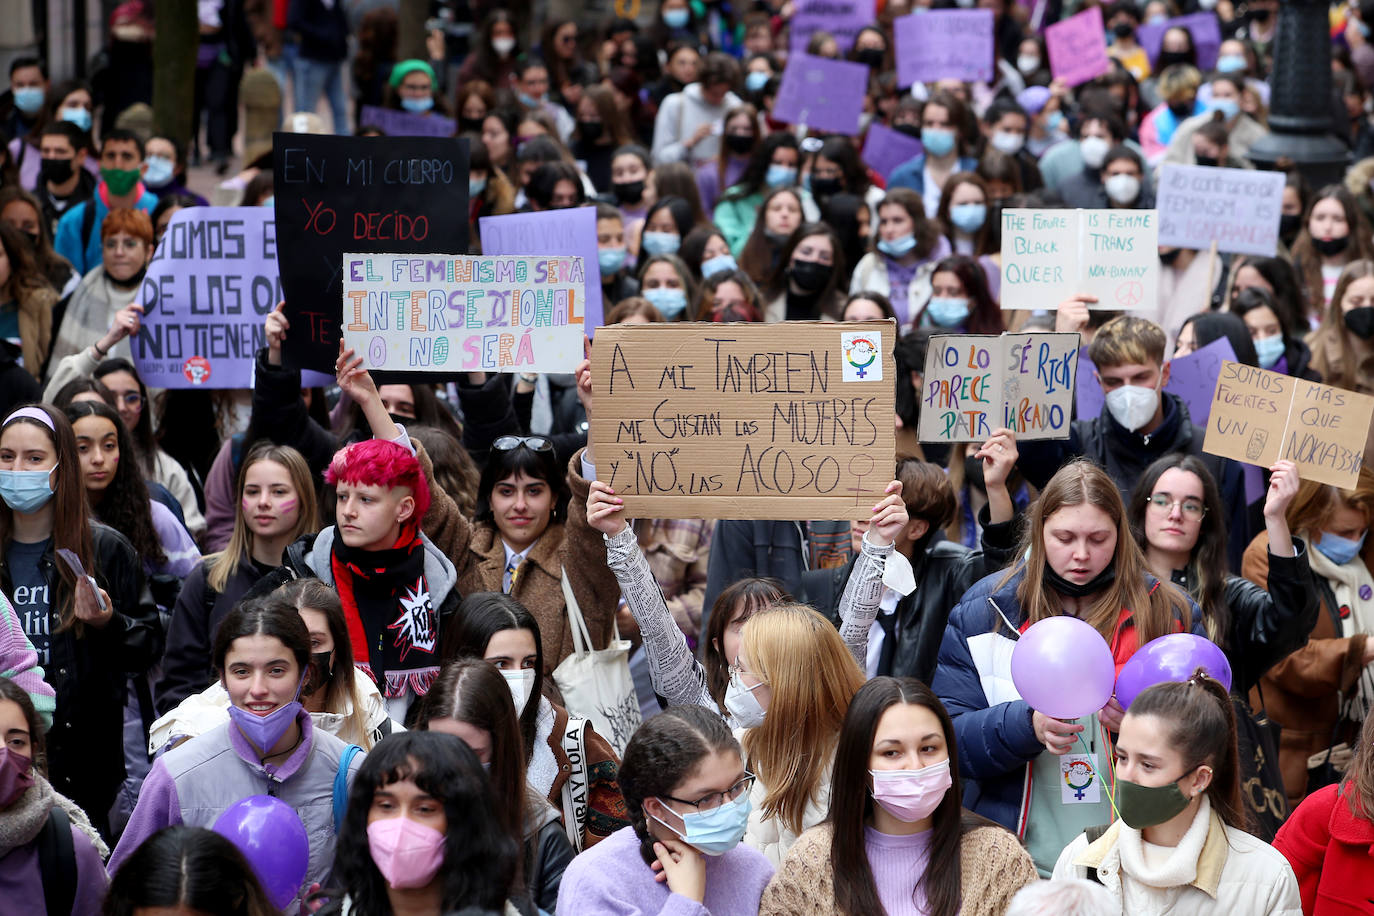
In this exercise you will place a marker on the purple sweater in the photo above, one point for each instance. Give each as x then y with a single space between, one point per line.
611 879
21 885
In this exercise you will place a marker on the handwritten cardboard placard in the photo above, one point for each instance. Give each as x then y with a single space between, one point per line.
977 383
406 123
1259 417
1049 255
778 421
944 44
406 195
885 148
1204 28
1239 209
841 18
437 313
557 232
1078 47
822 93
1192 377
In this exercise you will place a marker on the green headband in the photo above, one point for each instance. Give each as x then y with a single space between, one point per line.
406 67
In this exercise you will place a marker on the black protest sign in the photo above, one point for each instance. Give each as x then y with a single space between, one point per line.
403 195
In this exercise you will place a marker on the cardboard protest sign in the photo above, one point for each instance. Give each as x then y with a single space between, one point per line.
885 148
841 18
1192 377
1239 209
364 194
1078 47
205 297
437 313
407 124
1259 417
560 232
1049 255
822 93
755 421
977 383
1204 28
944 44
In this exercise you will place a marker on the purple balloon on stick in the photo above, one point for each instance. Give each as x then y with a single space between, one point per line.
272 838
1063 668
1170 658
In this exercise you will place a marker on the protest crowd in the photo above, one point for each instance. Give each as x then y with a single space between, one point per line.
693 457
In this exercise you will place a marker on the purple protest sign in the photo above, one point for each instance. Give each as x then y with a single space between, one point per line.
841 18
822 93
565 232
407 124
885 148
1078 47
206 294
944 44
1193 378
1202 26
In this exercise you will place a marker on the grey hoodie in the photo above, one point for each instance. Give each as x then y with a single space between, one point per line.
679 117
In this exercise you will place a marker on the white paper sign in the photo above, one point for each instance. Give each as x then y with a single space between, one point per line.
1239 208
1080 785
1050 255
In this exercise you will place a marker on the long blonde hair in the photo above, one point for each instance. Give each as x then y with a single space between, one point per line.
812 677
1154 611
220 566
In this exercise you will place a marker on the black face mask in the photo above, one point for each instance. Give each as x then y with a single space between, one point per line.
870 57
911 130
1073 589
590 130
1182 109
1123 30
470 125
1289 226
1360 322
1260 15
1167 58
824 187
628 192
1330 247
1168 257
739 144
324 669
810 276
1207 160
55 170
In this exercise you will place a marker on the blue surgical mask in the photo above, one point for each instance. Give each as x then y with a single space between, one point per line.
968 217
898 247
947 313
671 302
1054 121
938 141
529 101
1269 349
1231 63
1339 550
1228 107
610 260
476 186
717 831
78 116
26 491
655 243
780 176
754 81
29 99
268 201
418 106
159 172
718 264
675 19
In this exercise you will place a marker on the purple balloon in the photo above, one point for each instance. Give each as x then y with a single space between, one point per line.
1063 668
272 838
1170 658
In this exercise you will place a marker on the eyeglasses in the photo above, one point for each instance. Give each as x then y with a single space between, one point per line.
716 799
1190 508
533 443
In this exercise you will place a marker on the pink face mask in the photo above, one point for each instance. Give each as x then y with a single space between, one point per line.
911 795
406 853
16 776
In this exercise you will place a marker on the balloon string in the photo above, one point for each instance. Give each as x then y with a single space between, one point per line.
1111 799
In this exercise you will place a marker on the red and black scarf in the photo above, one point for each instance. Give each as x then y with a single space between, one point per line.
392 622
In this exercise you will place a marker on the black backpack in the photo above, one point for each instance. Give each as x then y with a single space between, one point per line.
57 862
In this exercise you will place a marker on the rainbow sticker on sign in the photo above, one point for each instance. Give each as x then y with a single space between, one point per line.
863 356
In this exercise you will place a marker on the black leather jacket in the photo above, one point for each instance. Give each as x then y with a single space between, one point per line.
547 854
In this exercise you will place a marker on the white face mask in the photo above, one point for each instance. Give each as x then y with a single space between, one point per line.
521 684
1132 405
1008 143
1124 189
503 46
1094 151
741 703
1027 63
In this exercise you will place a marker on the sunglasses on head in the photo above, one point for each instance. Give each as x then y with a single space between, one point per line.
533 443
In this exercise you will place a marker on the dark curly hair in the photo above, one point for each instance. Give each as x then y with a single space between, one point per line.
661 753
479 855
124 503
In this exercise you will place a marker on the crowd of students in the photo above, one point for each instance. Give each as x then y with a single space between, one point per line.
356 599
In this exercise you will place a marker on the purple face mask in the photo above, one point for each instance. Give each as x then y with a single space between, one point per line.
266 731
16 776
